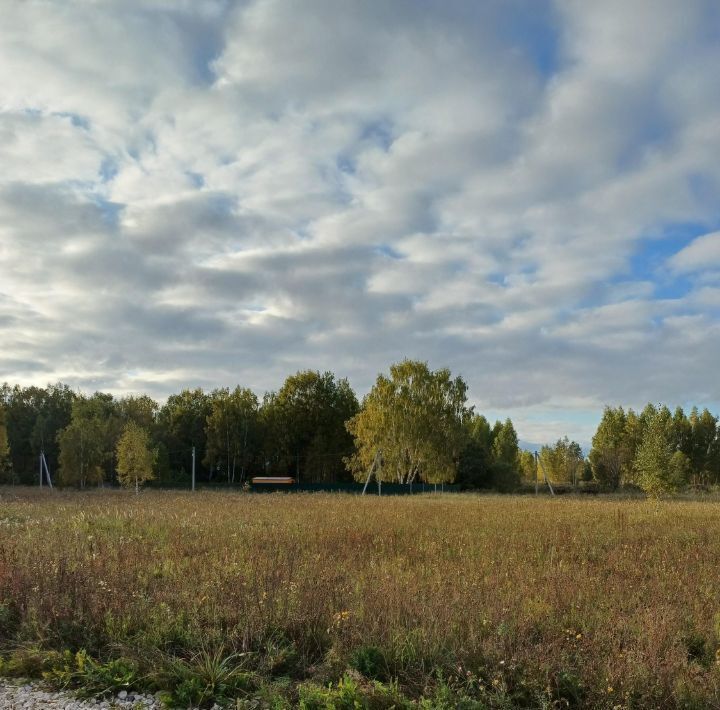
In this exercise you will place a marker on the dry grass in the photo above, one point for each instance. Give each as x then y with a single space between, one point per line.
608 603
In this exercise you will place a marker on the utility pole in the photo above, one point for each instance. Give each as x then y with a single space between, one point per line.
545 478
377 463
42 454
193 468
536 472
43 461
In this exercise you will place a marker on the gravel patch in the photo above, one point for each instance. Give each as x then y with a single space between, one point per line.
34 697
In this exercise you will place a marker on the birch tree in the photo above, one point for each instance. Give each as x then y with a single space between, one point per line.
416 419
135 459
82 453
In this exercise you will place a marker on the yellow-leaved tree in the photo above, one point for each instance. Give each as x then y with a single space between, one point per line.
415 420
135 458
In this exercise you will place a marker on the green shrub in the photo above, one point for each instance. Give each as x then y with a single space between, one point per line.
346 695
505 477
91 677
349 693
568 689
8 620
206 678
697 648
370 661
28 662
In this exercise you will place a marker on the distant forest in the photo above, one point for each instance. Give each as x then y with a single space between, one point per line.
415 423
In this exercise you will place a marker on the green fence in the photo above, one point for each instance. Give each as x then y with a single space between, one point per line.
390 489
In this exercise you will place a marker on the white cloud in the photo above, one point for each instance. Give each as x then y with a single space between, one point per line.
703 253
217 192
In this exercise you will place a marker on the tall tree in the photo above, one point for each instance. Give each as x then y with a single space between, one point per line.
681 431
35 415
6 469
233 432
101 413
634 430
528 467
505 447
475 463
703 447
416 419
181 424
611 452
142 410
87 444
82 453
304 425
659 467
135 458
564 461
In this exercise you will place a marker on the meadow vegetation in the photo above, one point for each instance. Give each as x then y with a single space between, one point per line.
339 601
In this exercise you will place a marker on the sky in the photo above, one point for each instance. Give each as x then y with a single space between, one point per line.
210 193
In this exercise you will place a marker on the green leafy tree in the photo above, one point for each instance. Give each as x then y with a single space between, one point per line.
416 418
479 431
135 458
35 415
634 431
304 424
703 450
505 447
82 453
142 410
101 414
491 457
563 462
659 467
181 425
475 464
88 443
611 451
6 469
505 465
681 431
233 432
527 465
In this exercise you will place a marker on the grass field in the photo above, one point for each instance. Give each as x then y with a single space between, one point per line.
340 601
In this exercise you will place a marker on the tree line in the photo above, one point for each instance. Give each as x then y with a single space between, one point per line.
656 450
414 424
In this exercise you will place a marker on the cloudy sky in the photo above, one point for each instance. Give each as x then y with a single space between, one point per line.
208 192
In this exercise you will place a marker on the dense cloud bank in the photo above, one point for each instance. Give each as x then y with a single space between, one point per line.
200 193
